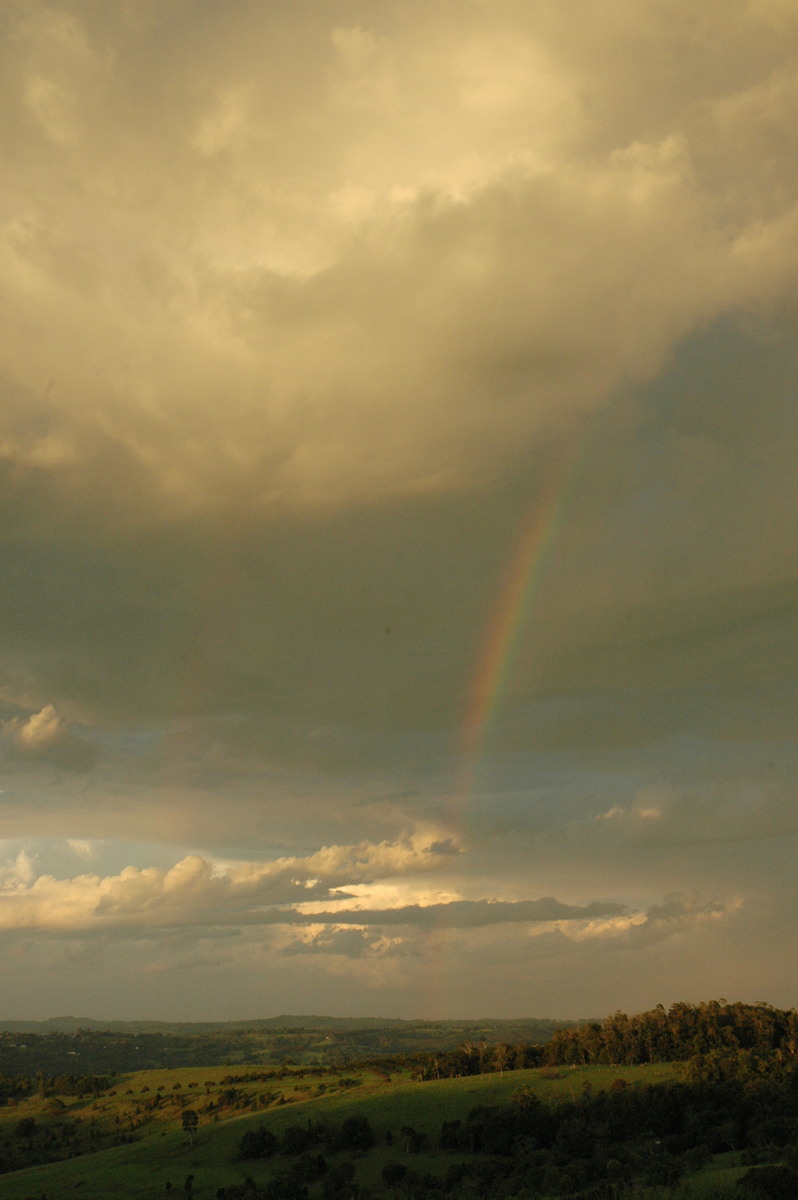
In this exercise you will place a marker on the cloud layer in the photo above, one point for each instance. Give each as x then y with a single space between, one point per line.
384 268
397 458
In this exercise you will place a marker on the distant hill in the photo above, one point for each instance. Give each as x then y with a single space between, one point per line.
542 1026
73 1024
90 1046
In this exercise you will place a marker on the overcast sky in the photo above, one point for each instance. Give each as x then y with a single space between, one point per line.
398 452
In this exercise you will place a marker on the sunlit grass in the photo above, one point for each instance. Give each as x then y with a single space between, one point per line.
164 1153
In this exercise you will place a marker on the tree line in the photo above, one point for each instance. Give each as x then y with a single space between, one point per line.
15 1087
716 1038
598 1146
681 1032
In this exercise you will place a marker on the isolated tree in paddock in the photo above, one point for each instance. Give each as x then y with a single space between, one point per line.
190 1122
258 1143
355 1134
501 1057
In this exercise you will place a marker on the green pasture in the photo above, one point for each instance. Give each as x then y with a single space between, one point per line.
164 1154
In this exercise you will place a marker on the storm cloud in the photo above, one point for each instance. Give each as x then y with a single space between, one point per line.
397 466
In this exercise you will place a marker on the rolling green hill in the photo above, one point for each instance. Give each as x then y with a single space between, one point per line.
598 1113
163 1154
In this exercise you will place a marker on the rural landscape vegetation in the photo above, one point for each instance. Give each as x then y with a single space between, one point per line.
693 1101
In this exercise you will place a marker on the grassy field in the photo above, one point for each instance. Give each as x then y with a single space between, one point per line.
163 1154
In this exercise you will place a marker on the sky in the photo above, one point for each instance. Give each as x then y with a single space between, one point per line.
397 467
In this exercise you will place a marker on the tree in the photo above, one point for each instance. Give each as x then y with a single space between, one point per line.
501 1056
355 1134
413 1140
769 1183
258 1143
190 1122
338 1182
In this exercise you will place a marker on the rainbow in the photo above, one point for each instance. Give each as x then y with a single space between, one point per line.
521 584
520 587
518 590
